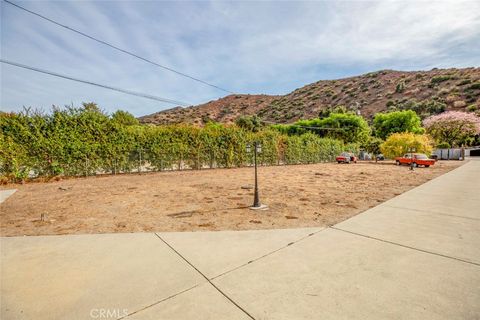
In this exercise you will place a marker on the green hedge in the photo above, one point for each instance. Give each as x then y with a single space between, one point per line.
86 141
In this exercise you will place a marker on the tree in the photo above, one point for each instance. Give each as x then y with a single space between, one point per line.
373 146
347 127
329 110
250 123
397 144
124 118
91 107
384 124
453 127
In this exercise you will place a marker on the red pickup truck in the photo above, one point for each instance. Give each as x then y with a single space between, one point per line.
419 159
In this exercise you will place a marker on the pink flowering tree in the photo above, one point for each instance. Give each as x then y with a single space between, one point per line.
453 127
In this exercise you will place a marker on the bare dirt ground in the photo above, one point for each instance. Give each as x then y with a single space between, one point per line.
297 196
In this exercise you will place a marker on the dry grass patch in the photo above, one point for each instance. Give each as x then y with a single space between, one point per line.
298 196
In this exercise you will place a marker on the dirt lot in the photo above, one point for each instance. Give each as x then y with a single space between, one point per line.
297 196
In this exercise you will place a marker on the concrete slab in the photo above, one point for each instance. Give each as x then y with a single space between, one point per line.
337 275
464 181
445 187
78 276
200 303
451 204
332 274
214 253
448 235
4 194
454 193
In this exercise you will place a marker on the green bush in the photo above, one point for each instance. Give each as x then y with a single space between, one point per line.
439 79
472 108
87 141
464 82
398 144
475 86
400 87
309 148
443 145
346 126
385 124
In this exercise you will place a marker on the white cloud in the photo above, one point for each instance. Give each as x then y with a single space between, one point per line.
252 47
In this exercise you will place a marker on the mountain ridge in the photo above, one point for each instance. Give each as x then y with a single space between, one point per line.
427 92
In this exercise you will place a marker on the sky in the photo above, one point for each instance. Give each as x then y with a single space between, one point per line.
245 47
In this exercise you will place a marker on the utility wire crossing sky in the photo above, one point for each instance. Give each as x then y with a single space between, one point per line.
116 48
143 95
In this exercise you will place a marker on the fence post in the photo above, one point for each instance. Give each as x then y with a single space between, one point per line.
140 161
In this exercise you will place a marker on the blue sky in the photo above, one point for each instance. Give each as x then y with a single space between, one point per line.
246 47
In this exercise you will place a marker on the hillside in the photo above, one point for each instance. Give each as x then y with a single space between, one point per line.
426 92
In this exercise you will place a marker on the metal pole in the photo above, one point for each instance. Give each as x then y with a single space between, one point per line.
256 200
411 159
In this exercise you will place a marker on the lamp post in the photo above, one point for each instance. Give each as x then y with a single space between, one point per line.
257 148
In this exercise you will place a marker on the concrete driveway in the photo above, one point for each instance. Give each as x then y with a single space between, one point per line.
416 256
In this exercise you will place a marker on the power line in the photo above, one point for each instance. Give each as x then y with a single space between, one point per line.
138 94
117 48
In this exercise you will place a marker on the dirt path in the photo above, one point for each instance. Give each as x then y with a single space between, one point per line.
297 196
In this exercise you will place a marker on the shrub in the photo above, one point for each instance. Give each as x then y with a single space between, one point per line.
390 103
385 124
124 118
472 108
400 87
424 108
373 145
453 127
475 86
464 82
87 141
309 148
443 145
439 79
398 144
347 127
251 123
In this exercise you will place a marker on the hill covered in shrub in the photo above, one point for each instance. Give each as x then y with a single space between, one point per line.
425 92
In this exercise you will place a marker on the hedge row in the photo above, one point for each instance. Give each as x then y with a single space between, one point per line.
86 141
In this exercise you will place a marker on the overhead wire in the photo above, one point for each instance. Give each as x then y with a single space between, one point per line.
117 48
136 56
144 95
134 93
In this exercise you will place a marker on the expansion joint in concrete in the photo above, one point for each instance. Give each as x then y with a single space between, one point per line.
433 212
160 301
206 278
404 246
267 254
